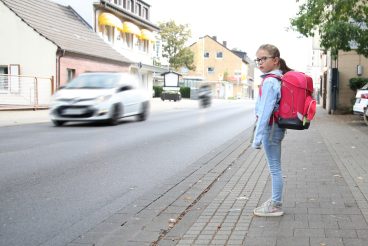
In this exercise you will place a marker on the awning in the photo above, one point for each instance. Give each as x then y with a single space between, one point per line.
147 35
108 19
131 28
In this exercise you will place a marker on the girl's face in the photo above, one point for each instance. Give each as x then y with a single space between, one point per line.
265 62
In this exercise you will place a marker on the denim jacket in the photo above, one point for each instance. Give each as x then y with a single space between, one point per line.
265 105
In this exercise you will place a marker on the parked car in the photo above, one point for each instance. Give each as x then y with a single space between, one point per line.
361 103
104 97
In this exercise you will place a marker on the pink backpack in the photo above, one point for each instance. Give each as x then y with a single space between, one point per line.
297 106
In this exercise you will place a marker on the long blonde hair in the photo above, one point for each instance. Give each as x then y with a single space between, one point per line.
274 52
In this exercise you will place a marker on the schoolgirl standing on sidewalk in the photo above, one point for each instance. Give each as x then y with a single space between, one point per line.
267 132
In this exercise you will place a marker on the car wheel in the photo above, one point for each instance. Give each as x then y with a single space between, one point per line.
142 116
115 115
365 116
58 122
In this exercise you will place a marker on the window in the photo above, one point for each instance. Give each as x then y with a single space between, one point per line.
108 33
145 13
124 4
128 4
4 84
128 40
219 54
71 73
210 70
131 3
138 9
146 44
136 43
14 80
206 54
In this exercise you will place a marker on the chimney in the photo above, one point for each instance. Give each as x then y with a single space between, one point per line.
224 43
214 38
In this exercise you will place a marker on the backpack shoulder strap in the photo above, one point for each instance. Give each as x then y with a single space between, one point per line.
273 76
268 76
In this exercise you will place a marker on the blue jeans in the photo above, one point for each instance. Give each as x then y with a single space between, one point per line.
272 145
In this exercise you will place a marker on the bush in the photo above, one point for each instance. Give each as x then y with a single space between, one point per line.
357 83
158 91
185 92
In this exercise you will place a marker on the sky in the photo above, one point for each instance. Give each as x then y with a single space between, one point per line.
243 24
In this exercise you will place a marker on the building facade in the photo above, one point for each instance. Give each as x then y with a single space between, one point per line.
42 55
126 26
229 72
334 92
64 45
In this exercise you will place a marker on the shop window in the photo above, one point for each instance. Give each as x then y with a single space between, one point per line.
128 40
146 44
109 33
136 43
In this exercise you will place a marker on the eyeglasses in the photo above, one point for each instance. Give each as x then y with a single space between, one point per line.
262 59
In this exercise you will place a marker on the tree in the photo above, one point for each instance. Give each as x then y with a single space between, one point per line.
174 38
341 24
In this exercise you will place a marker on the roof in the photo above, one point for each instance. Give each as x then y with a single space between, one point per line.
64 27
171 72
242 55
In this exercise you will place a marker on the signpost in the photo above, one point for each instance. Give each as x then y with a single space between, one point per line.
171 90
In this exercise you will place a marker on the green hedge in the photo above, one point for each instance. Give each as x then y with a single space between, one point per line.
185 92
158 91
357 83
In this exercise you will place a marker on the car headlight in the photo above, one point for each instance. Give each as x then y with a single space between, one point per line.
102 99
55 99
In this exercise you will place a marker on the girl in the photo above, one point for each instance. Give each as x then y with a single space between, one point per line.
267 131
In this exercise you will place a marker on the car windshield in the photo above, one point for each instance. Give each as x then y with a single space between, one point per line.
365 87
94 81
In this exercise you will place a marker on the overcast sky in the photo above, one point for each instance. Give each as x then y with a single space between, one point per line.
244 24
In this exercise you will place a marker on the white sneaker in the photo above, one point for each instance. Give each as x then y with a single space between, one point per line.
268 209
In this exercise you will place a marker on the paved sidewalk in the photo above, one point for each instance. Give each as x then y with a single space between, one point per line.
211 203
325 199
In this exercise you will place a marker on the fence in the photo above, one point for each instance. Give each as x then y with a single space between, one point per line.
25 91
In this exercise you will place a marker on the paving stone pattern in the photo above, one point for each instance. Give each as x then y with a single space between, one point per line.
325 193
212 201
146 221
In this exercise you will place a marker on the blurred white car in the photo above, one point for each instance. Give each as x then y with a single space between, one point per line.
361 102
105 97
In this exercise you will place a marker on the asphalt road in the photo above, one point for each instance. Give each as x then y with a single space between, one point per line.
56 183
